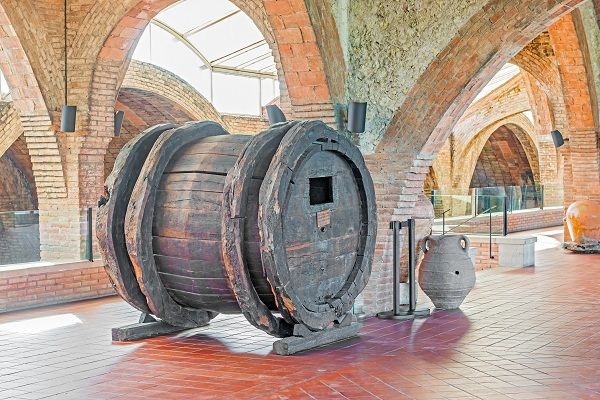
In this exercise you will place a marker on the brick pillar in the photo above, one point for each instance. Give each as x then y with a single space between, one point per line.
398 182
582 159
59 216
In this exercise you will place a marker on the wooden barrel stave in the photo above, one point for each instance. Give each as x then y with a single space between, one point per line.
111 213
242 258
139 222
193 214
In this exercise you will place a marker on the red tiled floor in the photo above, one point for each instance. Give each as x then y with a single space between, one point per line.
528 333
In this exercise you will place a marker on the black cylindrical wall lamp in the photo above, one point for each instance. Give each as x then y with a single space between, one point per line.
68 118
275 114
357 115
557 138
119 116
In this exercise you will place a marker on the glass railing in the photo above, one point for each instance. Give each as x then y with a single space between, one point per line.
20 240
19 237
485 210
469 214
517 197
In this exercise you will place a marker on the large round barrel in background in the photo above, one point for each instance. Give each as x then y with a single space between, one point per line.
279 226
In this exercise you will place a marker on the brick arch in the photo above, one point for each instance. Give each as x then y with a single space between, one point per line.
518 126
538 61
28 110
17 184
509 99
502 161
300 65
286 26
582 155
431 181
10 126
143 109
489 40
433 105
158 81
31 84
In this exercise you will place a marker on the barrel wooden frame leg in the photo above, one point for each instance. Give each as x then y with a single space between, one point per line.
139 219
297 146
234 218
111 214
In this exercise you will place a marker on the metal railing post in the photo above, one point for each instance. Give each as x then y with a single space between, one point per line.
444 223
505 218
412 280
490 213
89 251
395 225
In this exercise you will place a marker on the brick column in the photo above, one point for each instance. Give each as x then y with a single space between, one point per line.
398 182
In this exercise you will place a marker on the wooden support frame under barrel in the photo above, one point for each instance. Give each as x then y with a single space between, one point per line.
263 183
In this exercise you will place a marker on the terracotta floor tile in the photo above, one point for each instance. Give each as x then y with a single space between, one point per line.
521 334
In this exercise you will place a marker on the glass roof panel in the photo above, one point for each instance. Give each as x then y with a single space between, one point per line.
187 15
227 36
216 48
220 33
504 75
249 55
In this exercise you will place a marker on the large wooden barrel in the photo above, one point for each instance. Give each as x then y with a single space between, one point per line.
279 226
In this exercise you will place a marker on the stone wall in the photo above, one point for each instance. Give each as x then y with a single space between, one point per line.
390 45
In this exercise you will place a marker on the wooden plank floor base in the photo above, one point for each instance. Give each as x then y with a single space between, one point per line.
295 344
143 330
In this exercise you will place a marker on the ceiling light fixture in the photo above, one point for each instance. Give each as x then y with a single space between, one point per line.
69 113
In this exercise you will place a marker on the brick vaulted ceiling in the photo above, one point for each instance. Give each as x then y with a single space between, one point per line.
502 162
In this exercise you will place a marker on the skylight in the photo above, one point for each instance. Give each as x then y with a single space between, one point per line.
208 44
507 72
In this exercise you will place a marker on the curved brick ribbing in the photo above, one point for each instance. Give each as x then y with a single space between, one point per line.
456 160
582 175
17 186
520 128
158 81
503 160
423 122
10 126
28 112
489 40
33 72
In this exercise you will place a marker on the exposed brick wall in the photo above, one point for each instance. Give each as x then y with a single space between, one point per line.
158 81
245 123
518 221
425 84
423 122
582 164
142 109
41 286
482 259
502 162
10 126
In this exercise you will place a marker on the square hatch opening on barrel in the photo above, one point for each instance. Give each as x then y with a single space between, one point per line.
320 190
